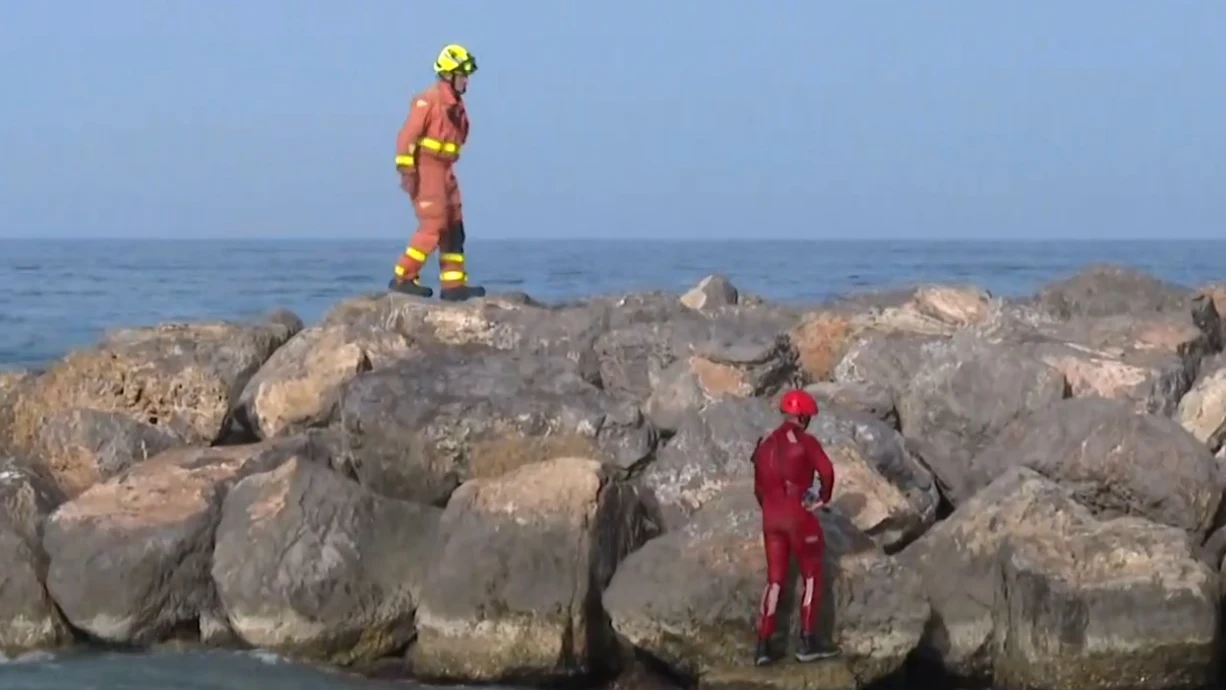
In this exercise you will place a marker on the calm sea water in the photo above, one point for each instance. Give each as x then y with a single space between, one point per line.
57 295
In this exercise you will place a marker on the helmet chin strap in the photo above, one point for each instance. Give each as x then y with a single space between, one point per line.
451 79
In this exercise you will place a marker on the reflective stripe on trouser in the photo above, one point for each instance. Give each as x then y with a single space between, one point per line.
806 545
411 261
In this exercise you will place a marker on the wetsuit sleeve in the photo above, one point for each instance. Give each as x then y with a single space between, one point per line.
822 465
412 130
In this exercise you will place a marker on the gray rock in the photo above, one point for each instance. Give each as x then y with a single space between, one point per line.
865 396
1107 606
311 565
710 292
690 599
634 359
878 482
514 595
28 617
1111 459
418 429
887 359
80 447
1092 593
131 556
961 396
12 385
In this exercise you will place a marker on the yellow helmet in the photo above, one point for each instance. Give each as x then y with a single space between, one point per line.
455 58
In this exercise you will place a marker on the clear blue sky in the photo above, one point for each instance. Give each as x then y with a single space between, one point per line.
677 118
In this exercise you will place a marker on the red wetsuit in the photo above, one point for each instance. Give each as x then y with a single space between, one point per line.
785 462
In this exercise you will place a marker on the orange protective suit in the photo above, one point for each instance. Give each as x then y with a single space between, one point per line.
427 147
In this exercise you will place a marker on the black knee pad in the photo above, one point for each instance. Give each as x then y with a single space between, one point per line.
453 240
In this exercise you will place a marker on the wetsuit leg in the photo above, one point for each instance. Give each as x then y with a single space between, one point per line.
809 544
777 556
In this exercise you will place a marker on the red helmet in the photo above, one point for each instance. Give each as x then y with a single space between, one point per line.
799 403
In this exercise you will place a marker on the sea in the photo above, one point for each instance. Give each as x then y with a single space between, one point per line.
56 295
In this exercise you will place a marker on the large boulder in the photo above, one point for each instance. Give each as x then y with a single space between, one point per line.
1202 411
1149 360
181 377
515 592
297 386
80 447
823 337
1099 290
1112 459
865 396
692 357
312 565
418 429
1106 606
690 599
712 292
959 560
1082 600
511 322
885 490
963 393
886 359
131 556
29 618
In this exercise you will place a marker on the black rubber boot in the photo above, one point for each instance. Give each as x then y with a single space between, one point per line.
459 294
810 649
409 287
762 655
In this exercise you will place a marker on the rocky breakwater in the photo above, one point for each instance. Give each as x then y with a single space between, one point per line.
506 491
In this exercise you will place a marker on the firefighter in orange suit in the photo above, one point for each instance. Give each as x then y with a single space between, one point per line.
427 148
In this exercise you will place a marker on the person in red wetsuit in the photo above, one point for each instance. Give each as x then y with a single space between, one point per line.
793 478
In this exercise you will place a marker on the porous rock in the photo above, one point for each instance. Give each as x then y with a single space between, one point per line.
690 599
418 429
80 447
297 386
312 565
182 377
131 556
515 591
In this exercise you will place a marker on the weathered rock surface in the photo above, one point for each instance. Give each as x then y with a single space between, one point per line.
515 592
886 491
689 598
1202 411
963 393
742 354
311 565
131 556
418 429
1077 592
865 396
1107 290
181 377
1111 459
80 447
711 292
885 359
825 337
1115 605
12 383
1148 360
297 386
502 322
28 617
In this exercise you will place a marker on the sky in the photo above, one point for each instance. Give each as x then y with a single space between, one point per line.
682 119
